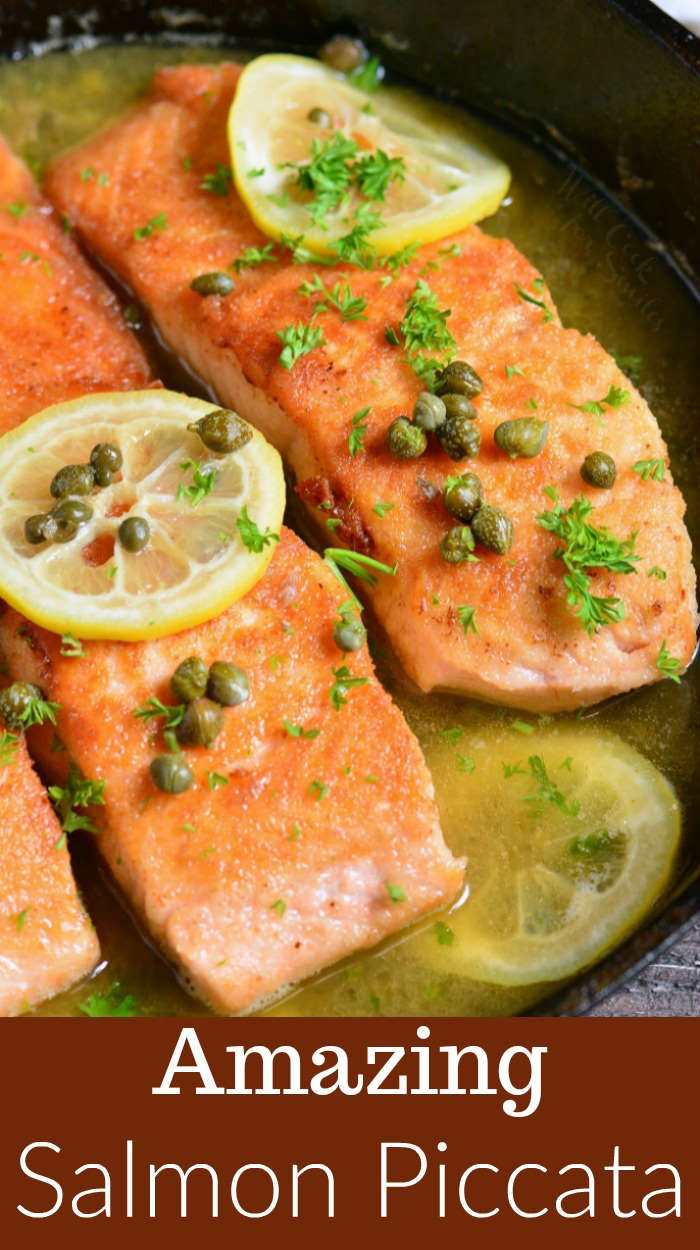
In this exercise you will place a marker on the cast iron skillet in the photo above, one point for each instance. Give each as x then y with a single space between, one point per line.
592 79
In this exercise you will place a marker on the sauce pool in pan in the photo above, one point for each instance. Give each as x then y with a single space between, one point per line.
530 862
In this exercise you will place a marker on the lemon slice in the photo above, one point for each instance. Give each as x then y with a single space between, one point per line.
450 181
195 563
553 881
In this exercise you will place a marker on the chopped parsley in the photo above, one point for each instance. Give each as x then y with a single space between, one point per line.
218 181
655 571
466 764
159 222
513 770
423 329
252 256
443 932
467 618
79 791
615 398
400 259
109 1004
8 748
548 791
342 683
650 469
172 712
368 76
18 209
71 646
668 664
202 484
355 247
356 437
396 894
279 906
297 341
512 370
251 537
298 731
522 727
585 547
381 509
319 789
354 562
452 735
351 307
538 283
591 844
214 780
39 710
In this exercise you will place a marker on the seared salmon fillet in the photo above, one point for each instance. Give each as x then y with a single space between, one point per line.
311 829
46 940
62 334
530 650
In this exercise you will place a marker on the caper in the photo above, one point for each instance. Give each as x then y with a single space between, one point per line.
524 436
201 724
15 702
34 528
73 479
459 378
349 633
72 510
134 533
405 440
459 406
462 496
222 431
319 117
457 544
493 528
343 53
429 411
59 529
212 284
228 684
133 317
599 469
106 460
459 437
189 681
171 773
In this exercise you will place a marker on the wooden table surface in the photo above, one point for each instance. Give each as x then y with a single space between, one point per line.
668 987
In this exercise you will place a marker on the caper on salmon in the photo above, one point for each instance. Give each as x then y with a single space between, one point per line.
15 703
134 533
349 633
228 684
73 479
462 496
212 284
523 436
599 469
429 411
459 378
189 681
34 527
222 431
405 440
106 460
493 528
343 53
319 117
457 545
171 773
458 406
459 437
201 724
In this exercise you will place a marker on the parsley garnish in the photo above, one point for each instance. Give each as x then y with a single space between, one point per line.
297 341
443 933
375 171
251 536
355 248
466 764
538 283
655 571
354 562
522 727
647 469
79 791
159 222
585 547
108 1004
18 209
279 906
218 181
511 371
424 329
512 770
356 437
252 256
396 894
368 76
202 484
381 509
350 307
615 398
71 646
38 710
214 780
400 259
343 681
319 789
548 791
467 618
591 844
172 712
8 748
668 664
298 731
21 918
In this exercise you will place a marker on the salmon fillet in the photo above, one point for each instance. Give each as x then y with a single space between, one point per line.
531 650
289 851
62 334
46 940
